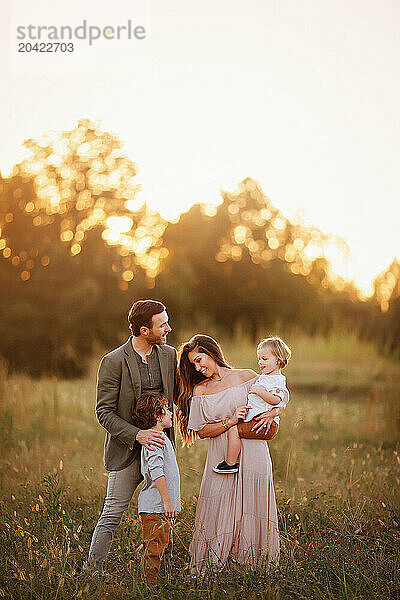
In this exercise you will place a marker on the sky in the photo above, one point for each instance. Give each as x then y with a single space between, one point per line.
301 95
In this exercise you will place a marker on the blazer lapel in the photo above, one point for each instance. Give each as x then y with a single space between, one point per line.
133 367
163 360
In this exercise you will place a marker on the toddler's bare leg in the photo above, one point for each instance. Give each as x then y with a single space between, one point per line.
234 445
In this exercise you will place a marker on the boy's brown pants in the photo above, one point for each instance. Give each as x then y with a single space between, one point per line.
155 530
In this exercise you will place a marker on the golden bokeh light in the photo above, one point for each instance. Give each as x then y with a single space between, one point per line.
83 176
387 285
119 225
75 249
210 210
127 275
273 243
86 186
66 236
267 234
134 204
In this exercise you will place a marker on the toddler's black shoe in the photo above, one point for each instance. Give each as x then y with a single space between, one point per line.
224 468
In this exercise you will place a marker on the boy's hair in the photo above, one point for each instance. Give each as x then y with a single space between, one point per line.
278 349
141 314
149 406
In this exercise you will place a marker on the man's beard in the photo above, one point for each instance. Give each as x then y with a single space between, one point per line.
156 339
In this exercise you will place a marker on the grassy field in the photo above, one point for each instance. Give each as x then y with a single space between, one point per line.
336 469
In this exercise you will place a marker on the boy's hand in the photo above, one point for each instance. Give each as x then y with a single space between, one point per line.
170 510
255 389
150 437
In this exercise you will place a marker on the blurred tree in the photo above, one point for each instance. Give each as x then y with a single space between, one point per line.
387 295
74 240
55 306
73 235
387 285
246 263
82 180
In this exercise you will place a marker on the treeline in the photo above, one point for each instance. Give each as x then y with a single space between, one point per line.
76 251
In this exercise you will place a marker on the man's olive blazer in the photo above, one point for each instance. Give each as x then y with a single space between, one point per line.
118 388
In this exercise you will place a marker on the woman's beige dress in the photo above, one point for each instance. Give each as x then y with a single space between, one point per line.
236 514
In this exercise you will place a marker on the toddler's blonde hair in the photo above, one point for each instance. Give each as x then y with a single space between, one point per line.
278 348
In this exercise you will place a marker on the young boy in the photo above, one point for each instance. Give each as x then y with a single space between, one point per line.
159 499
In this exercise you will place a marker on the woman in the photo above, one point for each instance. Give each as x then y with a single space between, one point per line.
236 515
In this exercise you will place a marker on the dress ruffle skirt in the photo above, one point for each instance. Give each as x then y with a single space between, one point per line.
236 514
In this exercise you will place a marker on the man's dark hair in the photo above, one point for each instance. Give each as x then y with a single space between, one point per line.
141 314
149 406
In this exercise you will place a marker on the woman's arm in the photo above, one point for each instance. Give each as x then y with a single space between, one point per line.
214 429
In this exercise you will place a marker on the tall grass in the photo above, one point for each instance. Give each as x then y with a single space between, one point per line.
336 462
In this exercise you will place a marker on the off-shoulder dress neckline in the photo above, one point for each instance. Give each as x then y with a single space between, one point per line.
225 390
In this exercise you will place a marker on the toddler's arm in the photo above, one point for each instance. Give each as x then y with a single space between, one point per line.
268 397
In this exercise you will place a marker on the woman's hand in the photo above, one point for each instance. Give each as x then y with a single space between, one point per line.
240 413
265 419
264 423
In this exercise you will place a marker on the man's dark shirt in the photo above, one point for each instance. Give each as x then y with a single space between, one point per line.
150 372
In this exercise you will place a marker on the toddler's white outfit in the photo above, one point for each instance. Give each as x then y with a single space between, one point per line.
276 384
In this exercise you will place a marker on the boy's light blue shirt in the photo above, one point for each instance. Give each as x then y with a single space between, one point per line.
154 464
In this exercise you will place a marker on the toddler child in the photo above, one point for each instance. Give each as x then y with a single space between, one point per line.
159 498
269 391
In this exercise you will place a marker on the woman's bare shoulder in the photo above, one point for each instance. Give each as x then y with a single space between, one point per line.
199 389
246 374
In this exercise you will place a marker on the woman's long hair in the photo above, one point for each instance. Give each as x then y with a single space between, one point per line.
188 377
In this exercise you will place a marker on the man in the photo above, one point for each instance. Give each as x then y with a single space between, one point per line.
145 363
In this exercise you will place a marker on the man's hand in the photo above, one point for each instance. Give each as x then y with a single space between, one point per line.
170 510
150 437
